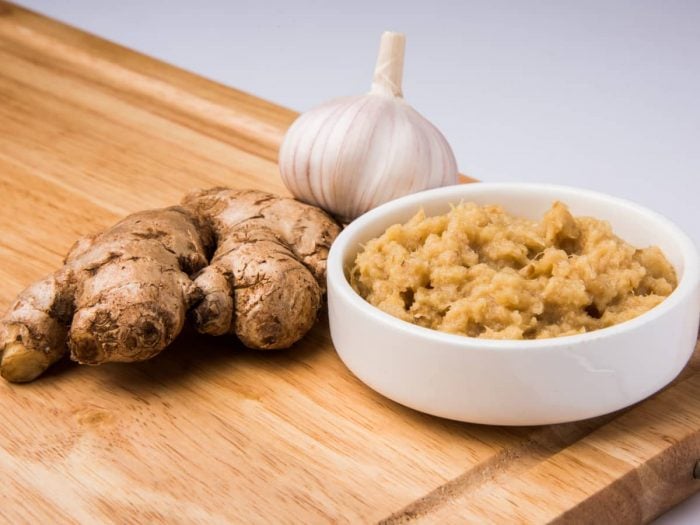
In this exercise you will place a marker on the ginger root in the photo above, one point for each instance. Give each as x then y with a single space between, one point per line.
123 295
268 269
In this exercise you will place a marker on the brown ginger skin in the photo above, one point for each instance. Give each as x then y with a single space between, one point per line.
123 295
120 296
266 279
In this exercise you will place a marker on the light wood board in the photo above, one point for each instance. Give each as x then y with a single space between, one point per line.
209 432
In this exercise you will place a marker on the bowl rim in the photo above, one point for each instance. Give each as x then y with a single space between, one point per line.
337 279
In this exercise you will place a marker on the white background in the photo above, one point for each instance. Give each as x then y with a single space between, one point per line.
603 95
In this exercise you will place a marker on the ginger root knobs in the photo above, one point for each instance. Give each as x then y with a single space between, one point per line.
123 295
269 266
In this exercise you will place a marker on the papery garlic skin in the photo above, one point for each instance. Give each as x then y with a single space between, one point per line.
352 154
355 153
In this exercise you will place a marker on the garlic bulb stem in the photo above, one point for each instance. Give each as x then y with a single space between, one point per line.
388 72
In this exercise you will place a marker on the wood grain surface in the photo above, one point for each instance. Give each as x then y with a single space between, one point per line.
209 432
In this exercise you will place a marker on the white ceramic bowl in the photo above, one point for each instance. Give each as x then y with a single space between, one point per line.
530 382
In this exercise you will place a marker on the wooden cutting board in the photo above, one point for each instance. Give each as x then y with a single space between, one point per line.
210 432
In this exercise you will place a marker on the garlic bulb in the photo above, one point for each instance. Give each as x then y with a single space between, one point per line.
352 154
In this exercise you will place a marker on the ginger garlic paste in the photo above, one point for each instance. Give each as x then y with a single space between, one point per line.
480 272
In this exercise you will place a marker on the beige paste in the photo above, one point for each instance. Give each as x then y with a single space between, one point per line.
480 272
